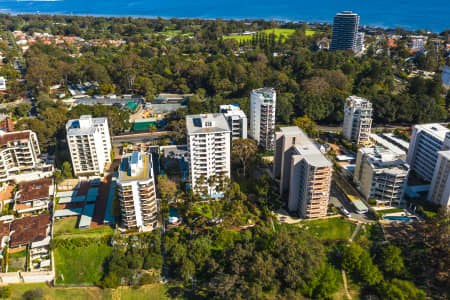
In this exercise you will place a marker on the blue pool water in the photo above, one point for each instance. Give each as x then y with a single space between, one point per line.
411 14
398 218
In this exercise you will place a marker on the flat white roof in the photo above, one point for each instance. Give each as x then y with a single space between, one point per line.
434 129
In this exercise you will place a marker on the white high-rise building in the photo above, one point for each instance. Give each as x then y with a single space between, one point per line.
381 175
359 45
236 119
136 191
89 144
262 117
209 142
357 120
440 184
426 141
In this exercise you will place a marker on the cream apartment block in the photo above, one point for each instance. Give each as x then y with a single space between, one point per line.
89 144
262 117
305 173
285 138
236 119
209 142
357 120
19 152
136 192
426 141
381 175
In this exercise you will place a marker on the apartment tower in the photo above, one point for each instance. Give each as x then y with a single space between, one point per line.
209 142
89 144
19 152
236 119
381 175
305 173
285 139
426 141
440 184
262 117
357 120
136 192
345 30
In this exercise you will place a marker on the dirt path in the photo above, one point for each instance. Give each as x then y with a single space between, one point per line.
344 278
358 227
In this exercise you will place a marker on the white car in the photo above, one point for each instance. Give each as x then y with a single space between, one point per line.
346 213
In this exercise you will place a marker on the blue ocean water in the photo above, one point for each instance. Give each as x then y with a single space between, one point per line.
410 14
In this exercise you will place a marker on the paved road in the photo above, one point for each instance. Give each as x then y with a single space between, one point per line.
339 200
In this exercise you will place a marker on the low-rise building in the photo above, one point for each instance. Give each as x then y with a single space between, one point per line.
33 195
29 229
381 175
19 152
136 191
236 119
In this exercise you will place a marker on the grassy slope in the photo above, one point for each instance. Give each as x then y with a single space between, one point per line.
150 292
329 229
68 227
276 31
82 265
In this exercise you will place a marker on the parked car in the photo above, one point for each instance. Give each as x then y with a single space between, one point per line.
346 213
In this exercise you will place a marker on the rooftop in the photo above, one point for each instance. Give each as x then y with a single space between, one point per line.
84 125
445 154
36 189
386 144
381 158
293 131
355 100
29 229
135 167
231 110
264 90
434 129
206 123
6 137
312 155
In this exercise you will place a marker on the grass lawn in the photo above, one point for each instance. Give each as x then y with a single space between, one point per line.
66 228
276 31
203 210
17 261
329 229
150 292
82 265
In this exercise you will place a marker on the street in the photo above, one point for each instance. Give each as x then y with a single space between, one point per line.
339 200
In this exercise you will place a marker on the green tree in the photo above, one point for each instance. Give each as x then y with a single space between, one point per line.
244 149
22 110
397 289
66 170
307 125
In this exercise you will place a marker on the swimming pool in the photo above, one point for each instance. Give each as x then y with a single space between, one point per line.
394 218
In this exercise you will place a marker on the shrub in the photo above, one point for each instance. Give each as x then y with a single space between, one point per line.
35 294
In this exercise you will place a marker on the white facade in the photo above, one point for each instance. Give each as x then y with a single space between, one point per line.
382 175
209 142
236 119
136 192
89 144
19 153
359 45
2 84
426 141
357 120
262 117
440 184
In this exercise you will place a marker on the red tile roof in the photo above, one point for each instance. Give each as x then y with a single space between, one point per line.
13 136
36 189
29 229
